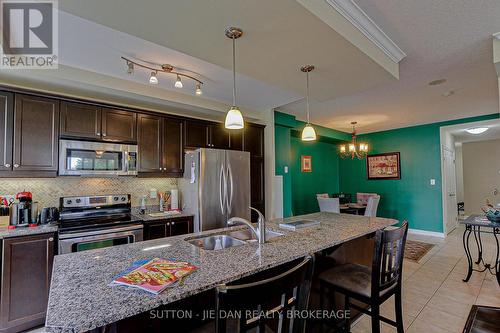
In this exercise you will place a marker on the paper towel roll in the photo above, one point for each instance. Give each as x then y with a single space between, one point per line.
174 199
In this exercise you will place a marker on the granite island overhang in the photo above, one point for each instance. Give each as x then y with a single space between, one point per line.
81 299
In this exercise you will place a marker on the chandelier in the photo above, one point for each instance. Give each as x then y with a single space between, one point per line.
164 68
354 149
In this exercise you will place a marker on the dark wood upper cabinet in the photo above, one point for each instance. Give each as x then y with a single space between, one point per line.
173 147
119 125
197 134
254 140
26 270
6 129
219 136
150 143
236 139
36 133
80 121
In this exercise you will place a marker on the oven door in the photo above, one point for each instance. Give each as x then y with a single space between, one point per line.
83 158
96 239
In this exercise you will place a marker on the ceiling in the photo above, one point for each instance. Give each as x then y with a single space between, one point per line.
279 37
460 134
442 39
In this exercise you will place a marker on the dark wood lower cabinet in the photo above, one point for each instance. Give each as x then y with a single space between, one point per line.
167 227
26 271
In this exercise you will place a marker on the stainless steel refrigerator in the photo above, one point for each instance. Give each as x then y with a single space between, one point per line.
215 187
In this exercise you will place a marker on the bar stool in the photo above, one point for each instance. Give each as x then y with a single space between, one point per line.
371 285
264 304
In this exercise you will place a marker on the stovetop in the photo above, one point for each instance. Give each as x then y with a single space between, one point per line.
97 223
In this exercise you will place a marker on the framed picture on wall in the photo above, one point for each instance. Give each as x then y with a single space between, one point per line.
306 163
383 166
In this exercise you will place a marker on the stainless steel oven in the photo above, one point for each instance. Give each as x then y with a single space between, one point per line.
95 239
85 158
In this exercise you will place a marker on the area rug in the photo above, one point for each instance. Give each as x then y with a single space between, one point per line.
415 251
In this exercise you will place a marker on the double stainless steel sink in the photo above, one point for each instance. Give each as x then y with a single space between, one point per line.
229 239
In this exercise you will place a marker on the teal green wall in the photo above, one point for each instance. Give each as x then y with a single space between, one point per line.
299 190
412 198
323 179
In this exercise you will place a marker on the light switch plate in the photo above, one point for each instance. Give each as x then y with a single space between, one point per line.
433 182
286 169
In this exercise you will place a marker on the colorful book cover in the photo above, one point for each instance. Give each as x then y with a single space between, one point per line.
155 275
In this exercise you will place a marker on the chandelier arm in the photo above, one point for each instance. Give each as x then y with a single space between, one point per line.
162 70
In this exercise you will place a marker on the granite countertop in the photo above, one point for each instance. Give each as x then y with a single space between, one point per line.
26 231
81 299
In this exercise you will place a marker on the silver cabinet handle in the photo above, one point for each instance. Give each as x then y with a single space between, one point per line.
51 239
168 223
7 165
16 165
103 134
97 133
173 223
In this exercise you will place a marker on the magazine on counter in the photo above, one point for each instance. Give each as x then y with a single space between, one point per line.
154 275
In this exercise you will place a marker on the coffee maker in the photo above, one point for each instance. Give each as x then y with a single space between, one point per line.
21 212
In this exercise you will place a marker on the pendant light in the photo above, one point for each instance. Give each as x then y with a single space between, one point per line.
234 118
308 133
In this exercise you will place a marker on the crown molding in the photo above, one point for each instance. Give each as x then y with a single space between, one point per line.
496 35
357 17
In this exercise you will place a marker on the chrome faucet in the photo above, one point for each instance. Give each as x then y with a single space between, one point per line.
259 232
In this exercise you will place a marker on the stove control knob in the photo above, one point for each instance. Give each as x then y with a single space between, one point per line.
115 198
123 198
69 201
78 200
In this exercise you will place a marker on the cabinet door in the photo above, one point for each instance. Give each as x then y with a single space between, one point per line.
150 143
156 229
254 140
80 120
181 226
173 148
197 134
119 125
219 136
36 133
6 127
236 139
27 267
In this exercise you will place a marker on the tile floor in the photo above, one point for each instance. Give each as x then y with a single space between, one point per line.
434 297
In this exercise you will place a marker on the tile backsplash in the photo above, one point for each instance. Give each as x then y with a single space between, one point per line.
47 191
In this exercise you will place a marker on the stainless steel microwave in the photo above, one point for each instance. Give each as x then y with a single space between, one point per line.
85 158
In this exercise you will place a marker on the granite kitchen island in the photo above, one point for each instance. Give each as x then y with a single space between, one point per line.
81 299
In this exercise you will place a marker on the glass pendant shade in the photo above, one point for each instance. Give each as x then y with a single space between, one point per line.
178 82
153 79
308 133
234 119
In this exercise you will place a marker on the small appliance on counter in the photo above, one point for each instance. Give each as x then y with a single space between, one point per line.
48 215
23 214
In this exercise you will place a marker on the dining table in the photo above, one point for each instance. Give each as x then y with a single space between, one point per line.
352 208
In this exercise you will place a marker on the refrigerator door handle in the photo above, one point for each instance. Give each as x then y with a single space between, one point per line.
222 191
230 201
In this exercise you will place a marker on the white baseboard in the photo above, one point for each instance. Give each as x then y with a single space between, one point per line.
426 233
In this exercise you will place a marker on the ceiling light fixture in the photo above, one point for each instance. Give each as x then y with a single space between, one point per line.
353 149
234 118
308 133
164 68
437 82
153 79
178 82
130 68
198 89
477 130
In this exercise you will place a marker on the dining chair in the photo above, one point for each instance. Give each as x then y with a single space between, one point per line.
322 195
362 198
267 304
331 205
371 285
372 205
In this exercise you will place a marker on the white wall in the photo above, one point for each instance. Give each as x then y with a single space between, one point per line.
481 170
